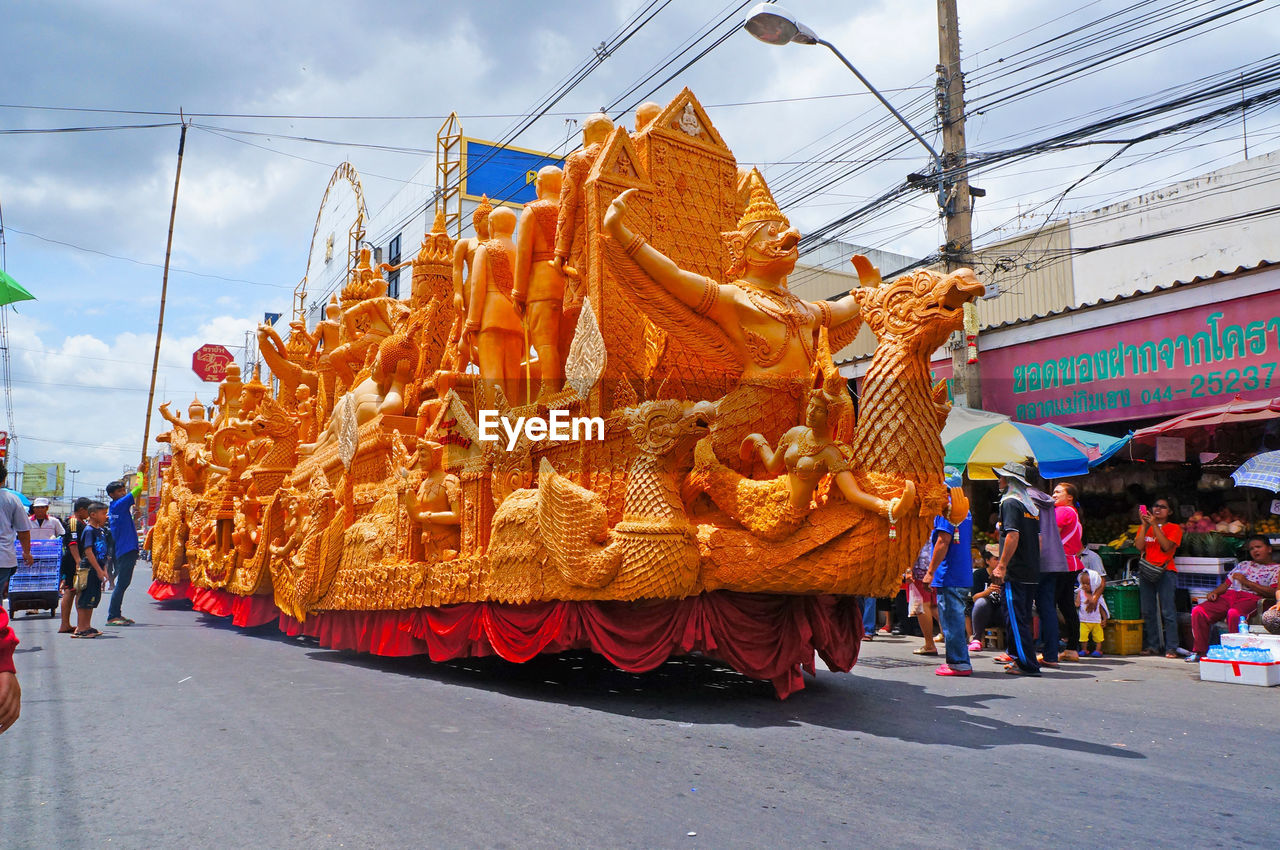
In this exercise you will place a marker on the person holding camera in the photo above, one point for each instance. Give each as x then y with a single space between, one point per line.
1159 538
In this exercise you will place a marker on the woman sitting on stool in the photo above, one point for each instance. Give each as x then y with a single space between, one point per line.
1238 595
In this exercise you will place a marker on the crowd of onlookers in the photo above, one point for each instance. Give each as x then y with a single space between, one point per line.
98 551
1042 571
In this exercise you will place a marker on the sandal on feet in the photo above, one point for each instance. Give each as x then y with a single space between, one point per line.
923 651
67 631
91 633
1147 652
948 670
1004 658
1015 670
1175 656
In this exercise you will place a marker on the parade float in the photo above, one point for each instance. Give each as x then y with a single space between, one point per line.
721 497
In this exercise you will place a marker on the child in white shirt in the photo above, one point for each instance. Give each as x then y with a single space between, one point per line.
1093 611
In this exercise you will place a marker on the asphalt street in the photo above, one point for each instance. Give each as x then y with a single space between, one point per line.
185 731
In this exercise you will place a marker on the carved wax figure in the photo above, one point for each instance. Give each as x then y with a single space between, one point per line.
538 296
752 324
288 362
571 226
464 255
494 332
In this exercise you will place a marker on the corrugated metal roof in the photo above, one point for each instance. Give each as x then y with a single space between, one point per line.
1117 299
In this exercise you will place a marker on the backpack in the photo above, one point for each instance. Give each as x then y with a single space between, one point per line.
1053 557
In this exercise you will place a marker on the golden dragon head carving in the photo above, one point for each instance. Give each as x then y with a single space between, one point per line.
918 310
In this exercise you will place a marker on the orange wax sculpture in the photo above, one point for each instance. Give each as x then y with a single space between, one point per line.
647 288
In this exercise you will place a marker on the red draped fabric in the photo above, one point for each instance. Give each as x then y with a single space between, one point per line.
244 611
163 591
761 636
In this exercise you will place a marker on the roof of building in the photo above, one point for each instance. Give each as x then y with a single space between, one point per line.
1117 299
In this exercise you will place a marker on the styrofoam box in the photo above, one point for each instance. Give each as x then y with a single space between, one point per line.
1270 641
1240 672
1204 566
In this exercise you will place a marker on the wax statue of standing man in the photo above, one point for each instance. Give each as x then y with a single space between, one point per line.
538 295
494 334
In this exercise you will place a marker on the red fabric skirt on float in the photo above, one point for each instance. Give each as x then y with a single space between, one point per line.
244 611
761 636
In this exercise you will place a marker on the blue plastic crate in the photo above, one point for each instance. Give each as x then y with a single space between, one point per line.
43 575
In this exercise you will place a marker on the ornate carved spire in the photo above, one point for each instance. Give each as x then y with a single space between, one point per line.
761 206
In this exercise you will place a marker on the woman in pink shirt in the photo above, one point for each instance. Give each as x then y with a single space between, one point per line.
1067 514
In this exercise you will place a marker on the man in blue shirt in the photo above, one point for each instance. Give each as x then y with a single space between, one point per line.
950 574
126 540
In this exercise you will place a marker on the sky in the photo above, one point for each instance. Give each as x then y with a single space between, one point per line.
85 211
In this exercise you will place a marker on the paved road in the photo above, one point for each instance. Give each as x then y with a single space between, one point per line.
183 731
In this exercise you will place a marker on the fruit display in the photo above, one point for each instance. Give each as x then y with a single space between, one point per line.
1224 521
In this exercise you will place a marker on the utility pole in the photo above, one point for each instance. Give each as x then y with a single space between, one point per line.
958 203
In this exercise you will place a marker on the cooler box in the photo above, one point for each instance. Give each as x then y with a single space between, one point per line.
1240 672
1203 566
1122 637
1123 602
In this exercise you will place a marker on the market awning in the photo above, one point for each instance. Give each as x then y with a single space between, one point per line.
1234 412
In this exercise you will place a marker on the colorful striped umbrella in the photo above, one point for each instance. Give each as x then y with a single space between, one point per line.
1099 447
988 447
1262 471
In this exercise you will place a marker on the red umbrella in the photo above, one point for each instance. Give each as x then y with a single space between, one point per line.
1234 412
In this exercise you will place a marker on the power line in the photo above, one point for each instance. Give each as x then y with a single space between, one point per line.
144 263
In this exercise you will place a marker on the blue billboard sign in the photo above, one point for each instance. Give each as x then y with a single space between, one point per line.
502 173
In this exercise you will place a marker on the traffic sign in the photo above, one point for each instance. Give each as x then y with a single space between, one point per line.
210 362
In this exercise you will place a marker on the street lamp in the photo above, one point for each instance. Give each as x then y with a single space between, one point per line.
774 25
73 483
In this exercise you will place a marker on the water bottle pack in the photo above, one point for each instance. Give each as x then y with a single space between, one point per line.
1254 654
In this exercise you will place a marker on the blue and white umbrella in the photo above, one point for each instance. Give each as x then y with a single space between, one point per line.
1261 471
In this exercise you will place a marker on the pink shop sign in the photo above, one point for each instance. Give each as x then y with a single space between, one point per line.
1163 365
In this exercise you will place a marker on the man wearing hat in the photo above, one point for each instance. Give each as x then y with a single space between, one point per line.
43 526
1019 565
950 574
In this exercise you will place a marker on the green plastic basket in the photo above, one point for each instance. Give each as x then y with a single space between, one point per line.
1123 602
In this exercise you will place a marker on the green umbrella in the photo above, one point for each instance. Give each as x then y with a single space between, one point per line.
11 290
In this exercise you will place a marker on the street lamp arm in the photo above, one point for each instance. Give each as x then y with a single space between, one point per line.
937 160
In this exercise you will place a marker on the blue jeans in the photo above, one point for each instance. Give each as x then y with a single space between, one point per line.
1162 592
951 605
124 575
869 616
1047 608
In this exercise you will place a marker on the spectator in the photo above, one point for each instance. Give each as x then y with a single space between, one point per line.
43 526
10 693
13 524
71 560
869 618
126 553
922 601
95 544
950 576
1019 565
1238 595
1091 611
988 598
1067 515
1160 539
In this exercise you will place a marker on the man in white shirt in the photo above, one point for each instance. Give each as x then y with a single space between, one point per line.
43 526
13 525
